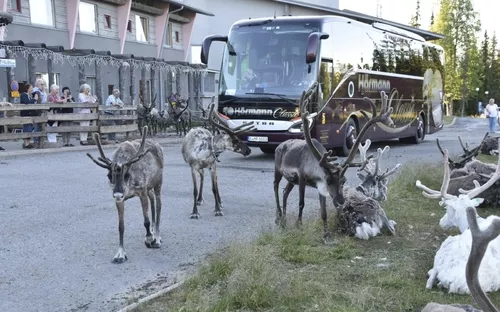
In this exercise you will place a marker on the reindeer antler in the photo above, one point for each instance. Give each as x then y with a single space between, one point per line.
102 161
480 241
478 189
432 194
140 153
468 154
218 122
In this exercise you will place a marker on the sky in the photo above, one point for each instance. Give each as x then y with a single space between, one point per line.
402 10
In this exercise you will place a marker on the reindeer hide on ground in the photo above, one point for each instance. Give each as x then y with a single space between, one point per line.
491 195
362 216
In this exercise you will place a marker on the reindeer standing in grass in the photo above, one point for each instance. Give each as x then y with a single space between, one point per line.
308 163
201 149
135 169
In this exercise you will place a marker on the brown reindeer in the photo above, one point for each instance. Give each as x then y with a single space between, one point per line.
467 156
135 169
308 163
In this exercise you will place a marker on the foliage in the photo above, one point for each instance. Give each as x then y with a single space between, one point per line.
293 270
415 19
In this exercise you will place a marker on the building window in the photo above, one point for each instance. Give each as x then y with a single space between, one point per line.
45 76
168 35
88 17
141 28
15 5
209 83
177 37
107 21
195 54
42 12
129 26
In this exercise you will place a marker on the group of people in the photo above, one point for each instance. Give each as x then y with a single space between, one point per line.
40 94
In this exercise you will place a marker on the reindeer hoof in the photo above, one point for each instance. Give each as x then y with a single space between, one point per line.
195 216
120 257
152 242
199 202
219 213
327 235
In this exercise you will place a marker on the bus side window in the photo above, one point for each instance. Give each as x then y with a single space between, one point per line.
326 78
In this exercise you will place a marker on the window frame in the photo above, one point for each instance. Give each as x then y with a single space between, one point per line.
18 6
96 21
52 12
145 29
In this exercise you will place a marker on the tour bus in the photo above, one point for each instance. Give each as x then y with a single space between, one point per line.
268 62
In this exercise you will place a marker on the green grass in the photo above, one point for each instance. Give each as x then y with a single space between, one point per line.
448 119
294 270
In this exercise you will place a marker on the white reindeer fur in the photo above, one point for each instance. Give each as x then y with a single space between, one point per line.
451 260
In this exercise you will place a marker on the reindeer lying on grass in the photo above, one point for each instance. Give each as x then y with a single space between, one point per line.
467 156
308 163
135 169
201 149
480 237
449 262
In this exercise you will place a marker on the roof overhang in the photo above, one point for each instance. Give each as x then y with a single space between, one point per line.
364 18
177 5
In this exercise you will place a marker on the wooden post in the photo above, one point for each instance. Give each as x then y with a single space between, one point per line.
197 83
81 75
121 85
143 86
10 76
168 87
178 88
153 87
50 72
31 69
98 82
190 88
133 91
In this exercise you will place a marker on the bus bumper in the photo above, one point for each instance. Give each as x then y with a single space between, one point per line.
268 139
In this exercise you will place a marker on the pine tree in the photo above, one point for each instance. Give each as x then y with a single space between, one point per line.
415 19
432 18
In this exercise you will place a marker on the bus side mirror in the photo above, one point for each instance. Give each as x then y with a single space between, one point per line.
205 47
313 44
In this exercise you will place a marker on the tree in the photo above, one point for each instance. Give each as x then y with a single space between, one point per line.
415 19
458 21
486 63
432 18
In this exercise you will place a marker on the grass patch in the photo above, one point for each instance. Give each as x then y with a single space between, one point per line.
293 270
448 119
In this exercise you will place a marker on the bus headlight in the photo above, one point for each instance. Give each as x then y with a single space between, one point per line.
299 126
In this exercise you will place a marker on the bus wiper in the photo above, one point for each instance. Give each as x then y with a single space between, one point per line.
257 23
281 96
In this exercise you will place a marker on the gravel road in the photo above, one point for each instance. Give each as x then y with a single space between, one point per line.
59 233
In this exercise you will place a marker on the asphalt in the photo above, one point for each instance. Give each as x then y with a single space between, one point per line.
59 228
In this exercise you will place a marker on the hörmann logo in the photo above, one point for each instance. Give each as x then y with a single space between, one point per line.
365 83
276 113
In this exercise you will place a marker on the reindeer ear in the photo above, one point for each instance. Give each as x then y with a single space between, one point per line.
478 201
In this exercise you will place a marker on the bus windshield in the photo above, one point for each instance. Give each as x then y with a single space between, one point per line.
267 58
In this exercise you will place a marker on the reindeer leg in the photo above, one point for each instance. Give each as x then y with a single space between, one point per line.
150 239
215 190
277 180
194 214
120 256
302 192
288 188
152 203
157 192
199 201
322 204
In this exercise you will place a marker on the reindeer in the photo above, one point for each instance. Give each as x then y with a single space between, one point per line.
468 154
480 240
373 181
148 115
201 149
183 120
308 163
206 123
135 169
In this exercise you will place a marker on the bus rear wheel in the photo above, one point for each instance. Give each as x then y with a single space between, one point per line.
419 135
351 133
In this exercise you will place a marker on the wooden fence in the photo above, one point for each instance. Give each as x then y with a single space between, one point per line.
12 124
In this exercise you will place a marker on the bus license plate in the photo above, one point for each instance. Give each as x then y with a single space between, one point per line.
257 139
